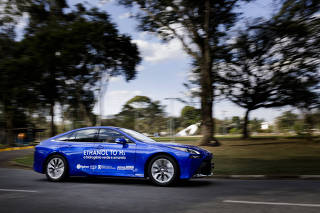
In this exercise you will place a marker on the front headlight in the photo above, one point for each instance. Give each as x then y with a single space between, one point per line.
191 151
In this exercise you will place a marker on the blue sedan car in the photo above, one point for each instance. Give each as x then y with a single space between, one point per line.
114 151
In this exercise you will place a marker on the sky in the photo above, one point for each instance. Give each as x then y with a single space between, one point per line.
165 66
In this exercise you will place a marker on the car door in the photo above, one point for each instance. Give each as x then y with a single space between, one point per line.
75 146
116 159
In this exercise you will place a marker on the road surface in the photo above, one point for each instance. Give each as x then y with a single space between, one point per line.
26 191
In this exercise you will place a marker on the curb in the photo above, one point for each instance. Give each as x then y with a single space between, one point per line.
266 177
16 148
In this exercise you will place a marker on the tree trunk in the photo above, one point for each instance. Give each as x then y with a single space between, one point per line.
52 126
206 94
9 127
308 125
63 118
245 130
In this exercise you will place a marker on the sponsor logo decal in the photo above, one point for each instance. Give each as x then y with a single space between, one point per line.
105 167
79 166
125 167
93 166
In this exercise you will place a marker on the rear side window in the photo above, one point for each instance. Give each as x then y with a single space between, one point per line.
86 135
67 137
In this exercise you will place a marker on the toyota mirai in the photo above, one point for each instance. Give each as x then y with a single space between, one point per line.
114 151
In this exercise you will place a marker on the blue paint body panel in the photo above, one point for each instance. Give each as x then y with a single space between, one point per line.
115 159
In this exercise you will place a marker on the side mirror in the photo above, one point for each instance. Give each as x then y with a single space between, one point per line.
121 140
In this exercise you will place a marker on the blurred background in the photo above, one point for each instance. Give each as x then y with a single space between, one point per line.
167 69
240 78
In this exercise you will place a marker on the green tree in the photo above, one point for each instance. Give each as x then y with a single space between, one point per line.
72 50
255 124
297 16
260 71
236 122
78 108
61 57
303 124
200 26
286 121
18 94
142 114
189 115
298 10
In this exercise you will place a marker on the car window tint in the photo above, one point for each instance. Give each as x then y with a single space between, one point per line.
86 135
109 135
72 137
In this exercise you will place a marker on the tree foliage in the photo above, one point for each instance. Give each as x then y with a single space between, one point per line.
274 63
200 26
287 121
73 61
63 55
189 115
142 114
302 124
18 94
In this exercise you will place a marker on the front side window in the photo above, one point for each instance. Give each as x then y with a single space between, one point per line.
109 136
137 135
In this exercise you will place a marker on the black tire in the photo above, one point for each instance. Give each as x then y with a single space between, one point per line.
162 174
60 160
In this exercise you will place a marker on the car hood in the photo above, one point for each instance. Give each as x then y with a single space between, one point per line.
171 144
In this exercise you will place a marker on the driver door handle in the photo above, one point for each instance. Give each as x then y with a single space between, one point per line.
100 147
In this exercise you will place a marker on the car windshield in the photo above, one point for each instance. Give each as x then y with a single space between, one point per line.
137 135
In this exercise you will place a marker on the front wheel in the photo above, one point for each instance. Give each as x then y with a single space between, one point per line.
56 168
163 170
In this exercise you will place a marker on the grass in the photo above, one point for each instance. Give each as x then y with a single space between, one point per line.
266 156
25 161
257 156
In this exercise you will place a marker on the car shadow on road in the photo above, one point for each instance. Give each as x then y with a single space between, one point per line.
131 181
194 183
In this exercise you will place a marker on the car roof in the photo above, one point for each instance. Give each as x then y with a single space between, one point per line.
93 127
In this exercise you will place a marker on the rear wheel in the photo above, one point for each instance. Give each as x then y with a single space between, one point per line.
163 170
56 168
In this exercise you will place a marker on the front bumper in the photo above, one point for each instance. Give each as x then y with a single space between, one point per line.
205 169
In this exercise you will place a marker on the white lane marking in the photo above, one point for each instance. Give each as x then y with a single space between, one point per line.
272 203
17 190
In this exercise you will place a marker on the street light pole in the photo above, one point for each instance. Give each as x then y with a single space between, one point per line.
224 130
103 88
171 124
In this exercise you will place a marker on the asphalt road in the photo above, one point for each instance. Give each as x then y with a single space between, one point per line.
26 191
